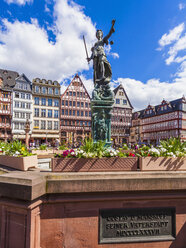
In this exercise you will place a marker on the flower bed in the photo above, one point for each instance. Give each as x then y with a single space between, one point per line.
94 157
94 164
16 155
170 155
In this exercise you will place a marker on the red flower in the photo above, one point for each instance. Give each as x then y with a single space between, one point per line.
131 154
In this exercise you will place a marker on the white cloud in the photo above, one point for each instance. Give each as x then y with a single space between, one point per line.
26 47
180 45
108 52
172 36
181 6
19 2
153 91
115 55
178 86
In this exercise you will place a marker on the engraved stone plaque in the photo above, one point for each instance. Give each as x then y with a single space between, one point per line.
136 225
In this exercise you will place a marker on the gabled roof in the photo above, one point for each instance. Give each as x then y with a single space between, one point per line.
171 106
8 78
22 77
121 87
75 79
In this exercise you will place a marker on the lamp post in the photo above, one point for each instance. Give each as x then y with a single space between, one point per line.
27 129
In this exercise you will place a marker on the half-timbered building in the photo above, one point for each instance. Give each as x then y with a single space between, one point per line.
75 112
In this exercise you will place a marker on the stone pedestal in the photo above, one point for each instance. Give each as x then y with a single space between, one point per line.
63 210
101 120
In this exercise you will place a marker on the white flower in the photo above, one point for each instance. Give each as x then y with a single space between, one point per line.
163 149
171 154
72 153
17 153
154 150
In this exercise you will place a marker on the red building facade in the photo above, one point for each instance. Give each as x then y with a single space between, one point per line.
7 81
75 112
164 121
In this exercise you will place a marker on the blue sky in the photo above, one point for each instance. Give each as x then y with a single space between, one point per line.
44 39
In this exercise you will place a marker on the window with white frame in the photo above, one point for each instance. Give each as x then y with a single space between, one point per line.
36 124
56 103
36 100
49 102
36 112
22 126
16 125
56 113
27 116
23 95
28 105
50 113
16 114
44 90
16 104
22 104
50 91
37 89
49 125
22 115
43 101
43 124
56 125
43 112
56 91
28 96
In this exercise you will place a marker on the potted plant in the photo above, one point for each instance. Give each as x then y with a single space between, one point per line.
16 155
94 157
169 155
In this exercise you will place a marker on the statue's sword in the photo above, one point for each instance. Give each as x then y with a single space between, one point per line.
85 47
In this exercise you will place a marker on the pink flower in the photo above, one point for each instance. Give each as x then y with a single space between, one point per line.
65 153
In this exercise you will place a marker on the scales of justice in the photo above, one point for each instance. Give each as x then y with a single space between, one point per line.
102 96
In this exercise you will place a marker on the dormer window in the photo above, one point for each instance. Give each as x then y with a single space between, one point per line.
37 80
50 82
43 81
55 82
149 111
